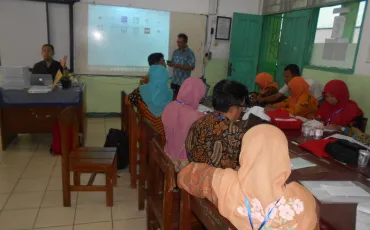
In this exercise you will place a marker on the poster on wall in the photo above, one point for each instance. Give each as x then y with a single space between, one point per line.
223 28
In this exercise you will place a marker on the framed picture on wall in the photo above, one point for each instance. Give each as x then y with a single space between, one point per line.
223 28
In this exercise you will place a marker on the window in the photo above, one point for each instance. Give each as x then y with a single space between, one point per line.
337 53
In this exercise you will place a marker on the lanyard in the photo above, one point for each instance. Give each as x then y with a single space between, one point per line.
222 117
335 113
250 214
182 103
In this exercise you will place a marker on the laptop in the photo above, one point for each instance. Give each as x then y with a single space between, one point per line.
41 79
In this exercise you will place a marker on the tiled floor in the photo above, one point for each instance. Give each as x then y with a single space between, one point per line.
31 189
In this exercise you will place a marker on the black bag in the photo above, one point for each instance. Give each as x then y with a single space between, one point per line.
344 151
118 138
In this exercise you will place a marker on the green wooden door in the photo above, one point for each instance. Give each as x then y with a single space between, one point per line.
270 44
294 37
244 48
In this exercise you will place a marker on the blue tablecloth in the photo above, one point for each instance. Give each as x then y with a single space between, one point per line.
58 96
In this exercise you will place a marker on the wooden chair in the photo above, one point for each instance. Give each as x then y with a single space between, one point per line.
133 132
161 185
147 133
205 212
84 160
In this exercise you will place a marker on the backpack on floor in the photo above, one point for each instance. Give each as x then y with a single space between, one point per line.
119 139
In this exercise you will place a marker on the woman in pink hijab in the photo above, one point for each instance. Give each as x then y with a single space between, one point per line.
179 115
255 196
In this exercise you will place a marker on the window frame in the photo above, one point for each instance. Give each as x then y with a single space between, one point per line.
309 48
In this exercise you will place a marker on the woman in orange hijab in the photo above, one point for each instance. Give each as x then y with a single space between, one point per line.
255 196
300 102
266 84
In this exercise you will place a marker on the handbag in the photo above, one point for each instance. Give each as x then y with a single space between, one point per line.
344 151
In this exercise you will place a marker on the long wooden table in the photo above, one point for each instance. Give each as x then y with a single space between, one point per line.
332 216
36 118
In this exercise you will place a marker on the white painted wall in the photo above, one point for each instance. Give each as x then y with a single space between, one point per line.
59 30
362 66
185 6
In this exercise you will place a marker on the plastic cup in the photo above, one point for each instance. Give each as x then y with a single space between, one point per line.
363 158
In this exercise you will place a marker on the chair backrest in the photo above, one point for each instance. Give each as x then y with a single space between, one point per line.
161 183
147 134
205 212
68 126
124 112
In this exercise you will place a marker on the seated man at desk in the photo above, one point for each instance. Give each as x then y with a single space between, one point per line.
49 65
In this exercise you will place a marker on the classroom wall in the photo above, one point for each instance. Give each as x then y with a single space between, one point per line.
103 92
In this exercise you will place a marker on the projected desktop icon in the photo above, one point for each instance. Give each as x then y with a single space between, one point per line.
147 31
124 19
136 20
124 30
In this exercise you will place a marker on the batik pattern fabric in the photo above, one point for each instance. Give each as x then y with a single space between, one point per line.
305 106
216 141
135 99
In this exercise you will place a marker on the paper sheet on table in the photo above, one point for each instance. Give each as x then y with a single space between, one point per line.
350 139
58 76
330 130
258 111
204 109
345 191
299 163
363 216
318 189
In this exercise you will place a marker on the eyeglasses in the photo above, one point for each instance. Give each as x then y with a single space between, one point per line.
243 107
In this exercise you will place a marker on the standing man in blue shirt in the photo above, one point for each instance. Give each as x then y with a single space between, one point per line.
183 62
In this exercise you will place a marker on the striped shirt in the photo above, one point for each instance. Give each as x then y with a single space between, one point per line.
134 98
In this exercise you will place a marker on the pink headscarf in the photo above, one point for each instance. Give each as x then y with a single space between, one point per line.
179 115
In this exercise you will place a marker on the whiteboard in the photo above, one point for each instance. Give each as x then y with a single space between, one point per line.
23 31
191 24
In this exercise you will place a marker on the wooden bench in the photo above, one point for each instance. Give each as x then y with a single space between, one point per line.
204 211
133 133
147 133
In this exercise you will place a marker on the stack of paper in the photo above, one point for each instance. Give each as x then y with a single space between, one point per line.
15 77
299 163
39 89
338 191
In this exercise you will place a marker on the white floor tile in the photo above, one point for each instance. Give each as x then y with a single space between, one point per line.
57 228
55 216
126 210
94 226
91 198
38 170
17 219
24 200
32 185
125 193
7 185
55 183
55 198
137 224
93 213
3 198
